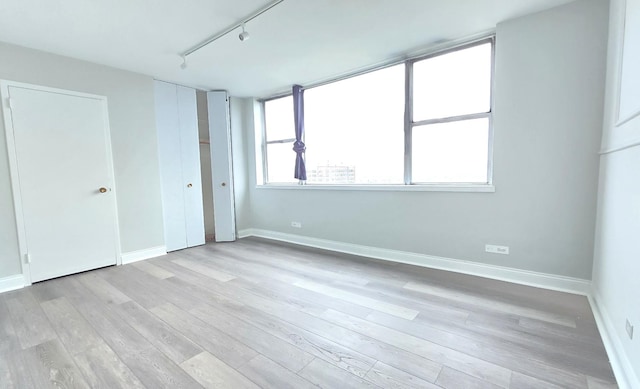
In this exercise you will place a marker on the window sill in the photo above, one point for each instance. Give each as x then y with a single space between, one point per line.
480 188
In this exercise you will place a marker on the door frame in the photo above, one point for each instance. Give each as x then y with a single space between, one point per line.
15 176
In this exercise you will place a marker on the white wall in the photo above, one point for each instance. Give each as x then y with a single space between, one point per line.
548 112
616 270
134 144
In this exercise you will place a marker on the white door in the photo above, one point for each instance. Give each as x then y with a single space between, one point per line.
169 150
63 180
190 158
222 170
179 154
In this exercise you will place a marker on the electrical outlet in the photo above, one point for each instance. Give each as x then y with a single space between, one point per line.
491 248
296 224
629 329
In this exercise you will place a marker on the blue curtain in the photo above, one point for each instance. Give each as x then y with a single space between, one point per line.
298 145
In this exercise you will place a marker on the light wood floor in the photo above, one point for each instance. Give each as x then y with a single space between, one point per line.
259 314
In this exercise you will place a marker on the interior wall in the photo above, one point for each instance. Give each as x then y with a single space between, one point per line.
616 267
617 248
549 87
205 165
133 137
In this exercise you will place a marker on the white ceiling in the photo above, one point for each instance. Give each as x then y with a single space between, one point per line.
298 41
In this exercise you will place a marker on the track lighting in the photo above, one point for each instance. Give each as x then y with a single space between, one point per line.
243 35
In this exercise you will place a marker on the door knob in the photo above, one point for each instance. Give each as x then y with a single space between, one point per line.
102 190
189 185
224 184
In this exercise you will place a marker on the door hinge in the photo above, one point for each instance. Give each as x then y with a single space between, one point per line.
27 258
9 103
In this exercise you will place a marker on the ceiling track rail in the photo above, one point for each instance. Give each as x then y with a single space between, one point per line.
230 28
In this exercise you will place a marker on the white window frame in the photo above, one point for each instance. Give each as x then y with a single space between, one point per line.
409 125
265 143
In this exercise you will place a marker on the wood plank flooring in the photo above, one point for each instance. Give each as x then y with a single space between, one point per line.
260 314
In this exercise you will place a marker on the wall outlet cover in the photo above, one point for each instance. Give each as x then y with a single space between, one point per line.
491 248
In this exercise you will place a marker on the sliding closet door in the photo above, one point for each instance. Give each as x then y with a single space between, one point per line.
190 159
221 166
179 154
169 150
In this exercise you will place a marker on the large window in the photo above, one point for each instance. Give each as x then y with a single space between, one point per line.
279 140
425 121
451 106
354 129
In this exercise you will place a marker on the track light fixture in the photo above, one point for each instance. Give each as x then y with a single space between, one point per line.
244 35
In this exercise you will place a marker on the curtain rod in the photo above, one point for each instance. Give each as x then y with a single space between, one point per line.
230 28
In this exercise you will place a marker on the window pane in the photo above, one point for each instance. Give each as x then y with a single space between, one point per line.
453 84
278 114
451 152
281 161
354 129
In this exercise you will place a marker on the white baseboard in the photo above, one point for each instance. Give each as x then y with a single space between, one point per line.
246 233
141 255
622 367
12 283
524 277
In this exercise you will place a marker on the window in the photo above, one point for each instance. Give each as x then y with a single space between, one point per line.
371 129
353 129
451 121
279 138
